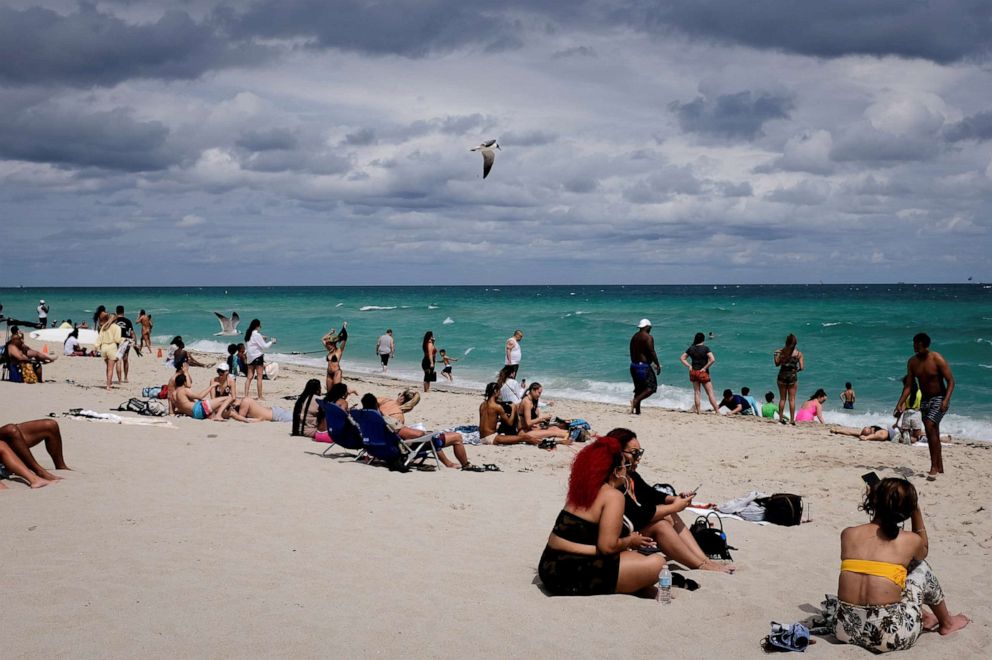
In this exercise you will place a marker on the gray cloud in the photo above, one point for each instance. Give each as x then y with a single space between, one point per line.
736 116
945 31
273 139
41 46
974 127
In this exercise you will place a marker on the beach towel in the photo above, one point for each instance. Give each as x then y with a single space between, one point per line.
745 507
724 516
93 416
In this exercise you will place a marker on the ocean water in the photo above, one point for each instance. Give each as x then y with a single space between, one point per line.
576 337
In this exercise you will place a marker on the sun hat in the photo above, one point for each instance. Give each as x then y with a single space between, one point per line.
644 324
222 366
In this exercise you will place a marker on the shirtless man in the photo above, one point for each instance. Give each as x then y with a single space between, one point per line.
936 382
513 352
439 440
642 360
531 420
19 352
491 415
22 437
145 321
198 406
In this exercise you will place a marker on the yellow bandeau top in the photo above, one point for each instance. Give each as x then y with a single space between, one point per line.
883 569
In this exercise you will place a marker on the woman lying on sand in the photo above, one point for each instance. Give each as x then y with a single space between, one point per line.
656 514
586 552
884 581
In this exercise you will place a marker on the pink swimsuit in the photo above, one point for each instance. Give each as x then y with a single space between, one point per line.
806 414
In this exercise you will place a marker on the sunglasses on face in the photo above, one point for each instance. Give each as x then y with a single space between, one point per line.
635 453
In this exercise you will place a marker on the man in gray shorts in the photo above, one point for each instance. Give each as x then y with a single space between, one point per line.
931 371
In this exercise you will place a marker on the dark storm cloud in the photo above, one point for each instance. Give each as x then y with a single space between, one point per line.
942 31
111 140
412 28
736 116
86 48
975 127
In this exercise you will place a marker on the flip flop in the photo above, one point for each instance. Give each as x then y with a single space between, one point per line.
547 443
680 581
473 468
491 467
791 637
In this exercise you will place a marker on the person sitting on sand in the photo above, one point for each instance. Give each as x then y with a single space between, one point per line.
306 411
496 427
884 578
769 409
198 406
71 345
752 405
531 419
27 360
656 514
587 550
813 408
397 408
439 439
510 391
223 384
20 438
734 403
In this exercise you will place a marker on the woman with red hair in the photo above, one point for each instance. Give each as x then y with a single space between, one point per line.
587 550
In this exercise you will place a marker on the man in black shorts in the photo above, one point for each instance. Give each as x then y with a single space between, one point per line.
936 382
644 365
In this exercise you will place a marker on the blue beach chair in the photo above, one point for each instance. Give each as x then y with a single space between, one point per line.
342 429
383 444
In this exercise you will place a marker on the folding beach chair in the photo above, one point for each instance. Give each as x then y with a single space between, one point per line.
342 429
383 444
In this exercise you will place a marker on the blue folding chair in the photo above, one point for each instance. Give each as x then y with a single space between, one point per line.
383 444
342 429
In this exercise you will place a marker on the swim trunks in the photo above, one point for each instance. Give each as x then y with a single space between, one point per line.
384 358
281 414
446 370
699 376
201 409
488 440
848 405
930 409
644 377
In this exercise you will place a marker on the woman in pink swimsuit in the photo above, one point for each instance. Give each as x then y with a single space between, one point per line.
813 408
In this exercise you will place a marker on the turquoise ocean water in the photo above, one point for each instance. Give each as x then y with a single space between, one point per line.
576 336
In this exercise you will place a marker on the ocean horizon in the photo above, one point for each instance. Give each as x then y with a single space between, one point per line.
576 336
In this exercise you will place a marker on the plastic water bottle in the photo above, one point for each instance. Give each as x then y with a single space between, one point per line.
665 586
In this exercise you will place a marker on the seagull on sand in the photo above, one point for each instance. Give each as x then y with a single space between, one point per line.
488 155
228 326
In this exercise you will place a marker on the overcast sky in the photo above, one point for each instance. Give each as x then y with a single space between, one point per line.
326 142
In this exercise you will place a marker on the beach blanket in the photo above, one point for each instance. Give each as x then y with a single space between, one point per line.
93 416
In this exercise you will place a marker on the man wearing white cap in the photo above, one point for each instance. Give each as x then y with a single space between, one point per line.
42 314
644 365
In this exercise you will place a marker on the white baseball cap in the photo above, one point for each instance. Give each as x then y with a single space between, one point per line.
222 366
644 324
42 301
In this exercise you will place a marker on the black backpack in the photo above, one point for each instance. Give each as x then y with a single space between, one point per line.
712 541
782 508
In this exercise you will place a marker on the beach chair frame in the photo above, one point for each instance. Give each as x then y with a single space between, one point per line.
382 443
342 428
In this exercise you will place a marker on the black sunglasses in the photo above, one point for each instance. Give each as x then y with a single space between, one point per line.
635 453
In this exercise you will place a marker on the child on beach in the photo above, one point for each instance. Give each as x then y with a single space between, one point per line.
447 360
769 409
847 397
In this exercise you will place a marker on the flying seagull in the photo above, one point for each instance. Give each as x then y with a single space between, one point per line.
228 326
488 155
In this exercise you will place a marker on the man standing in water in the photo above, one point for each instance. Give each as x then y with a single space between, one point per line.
936 382
513 351
644 365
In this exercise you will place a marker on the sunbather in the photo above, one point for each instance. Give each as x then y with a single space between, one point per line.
250 410
306 411
496 427
28 360
440 439
199 405
587 551
656 515
531 420
397 408
25 435
10 461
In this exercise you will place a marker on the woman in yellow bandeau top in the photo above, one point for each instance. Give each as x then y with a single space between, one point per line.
884 580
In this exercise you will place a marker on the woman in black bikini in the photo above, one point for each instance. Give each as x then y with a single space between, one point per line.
789 361
587 551
430 375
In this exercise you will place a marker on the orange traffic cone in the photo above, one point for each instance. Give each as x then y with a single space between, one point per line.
44 349
160 352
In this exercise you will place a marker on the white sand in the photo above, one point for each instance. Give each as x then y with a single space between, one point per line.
233 540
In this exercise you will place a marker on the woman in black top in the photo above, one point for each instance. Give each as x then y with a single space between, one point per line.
656 515
699 358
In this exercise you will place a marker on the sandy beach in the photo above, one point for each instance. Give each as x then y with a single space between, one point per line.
205 539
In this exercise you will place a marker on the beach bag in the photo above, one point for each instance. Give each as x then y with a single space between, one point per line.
155 408
133 405
28 376
712 541
782 508
151 392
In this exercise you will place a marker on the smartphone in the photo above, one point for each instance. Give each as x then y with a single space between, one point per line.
649 550
696 489
870 478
